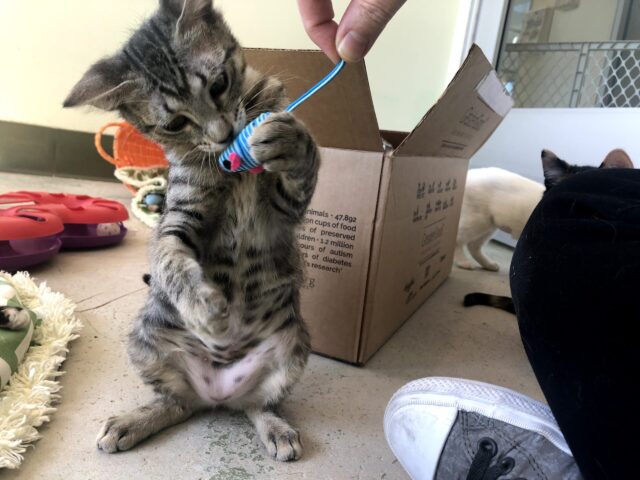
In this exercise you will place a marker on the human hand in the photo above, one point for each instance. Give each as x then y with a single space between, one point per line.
362 23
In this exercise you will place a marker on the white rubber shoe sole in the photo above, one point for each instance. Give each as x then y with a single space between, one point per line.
419 418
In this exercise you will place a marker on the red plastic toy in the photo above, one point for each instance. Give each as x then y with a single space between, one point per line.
70 221
81 215
28 237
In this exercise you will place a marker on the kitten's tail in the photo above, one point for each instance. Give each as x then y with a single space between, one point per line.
496 301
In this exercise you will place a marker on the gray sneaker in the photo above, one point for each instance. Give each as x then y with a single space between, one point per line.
451 429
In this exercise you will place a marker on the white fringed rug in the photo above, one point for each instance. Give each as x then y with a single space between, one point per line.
27 401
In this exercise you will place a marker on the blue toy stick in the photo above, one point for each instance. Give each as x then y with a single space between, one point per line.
237 157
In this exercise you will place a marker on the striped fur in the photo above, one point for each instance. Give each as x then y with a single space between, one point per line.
225 267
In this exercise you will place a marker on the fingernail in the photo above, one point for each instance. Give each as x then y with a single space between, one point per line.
353 47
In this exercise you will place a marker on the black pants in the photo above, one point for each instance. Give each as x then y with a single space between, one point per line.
575 280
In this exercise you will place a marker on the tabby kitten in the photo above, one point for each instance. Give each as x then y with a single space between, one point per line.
222 324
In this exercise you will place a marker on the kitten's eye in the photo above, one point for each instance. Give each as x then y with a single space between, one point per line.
219 86
178 124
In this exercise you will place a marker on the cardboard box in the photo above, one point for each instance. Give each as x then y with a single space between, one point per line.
380 232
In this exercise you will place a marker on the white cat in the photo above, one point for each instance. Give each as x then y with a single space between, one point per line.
494 199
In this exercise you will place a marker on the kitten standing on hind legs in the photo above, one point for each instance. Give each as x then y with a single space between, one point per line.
221 326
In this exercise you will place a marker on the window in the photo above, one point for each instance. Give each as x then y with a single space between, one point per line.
572 53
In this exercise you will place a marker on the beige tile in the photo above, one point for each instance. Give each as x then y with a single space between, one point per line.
339 408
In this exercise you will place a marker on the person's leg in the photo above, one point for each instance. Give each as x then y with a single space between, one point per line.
575 281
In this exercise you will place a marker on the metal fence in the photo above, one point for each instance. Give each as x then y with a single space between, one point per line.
572 75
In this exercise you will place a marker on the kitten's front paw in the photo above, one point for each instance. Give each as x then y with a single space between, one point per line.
209 302
204 310
281 143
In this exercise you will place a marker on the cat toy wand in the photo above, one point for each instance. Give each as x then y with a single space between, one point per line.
237 157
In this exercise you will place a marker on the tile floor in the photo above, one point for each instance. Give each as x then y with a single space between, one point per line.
339 408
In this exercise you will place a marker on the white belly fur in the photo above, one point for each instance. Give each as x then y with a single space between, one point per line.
221 385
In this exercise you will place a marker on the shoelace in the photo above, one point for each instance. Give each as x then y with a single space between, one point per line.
481 468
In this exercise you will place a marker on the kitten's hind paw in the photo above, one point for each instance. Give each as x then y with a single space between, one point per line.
119 434
284 446
279 438
126 431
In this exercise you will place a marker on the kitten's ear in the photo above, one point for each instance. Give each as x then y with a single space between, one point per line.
617 158
554 168
186 12
106 85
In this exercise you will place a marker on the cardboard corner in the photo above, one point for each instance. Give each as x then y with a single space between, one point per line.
465 116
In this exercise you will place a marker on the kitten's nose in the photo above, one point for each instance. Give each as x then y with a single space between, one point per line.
220 132
229 138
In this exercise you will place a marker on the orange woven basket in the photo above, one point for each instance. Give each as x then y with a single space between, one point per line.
130 148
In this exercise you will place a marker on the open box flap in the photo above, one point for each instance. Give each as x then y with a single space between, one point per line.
341 115
466 115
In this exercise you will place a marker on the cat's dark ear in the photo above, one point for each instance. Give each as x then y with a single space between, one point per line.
186 12
617 159
106 85
555 169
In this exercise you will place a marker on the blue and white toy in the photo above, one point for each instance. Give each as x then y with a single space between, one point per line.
237 157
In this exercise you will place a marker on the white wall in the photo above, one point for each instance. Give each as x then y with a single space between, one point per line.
45 46
592 21
581 136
